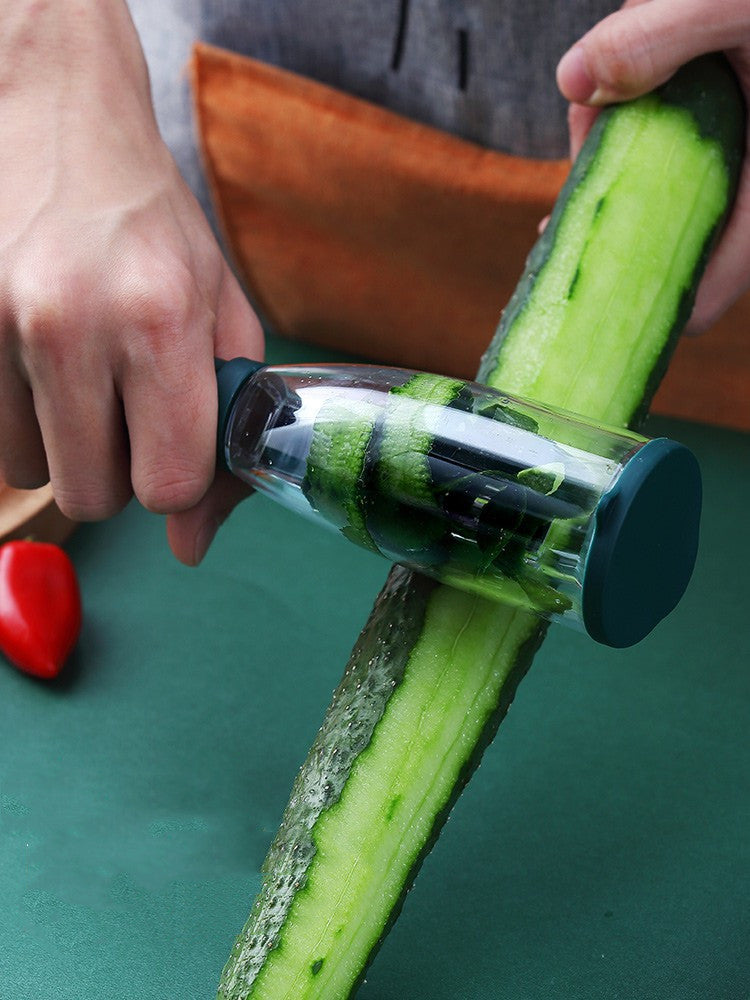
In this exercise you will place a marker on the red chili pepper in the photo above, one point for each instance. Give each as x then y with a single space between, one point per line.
40 606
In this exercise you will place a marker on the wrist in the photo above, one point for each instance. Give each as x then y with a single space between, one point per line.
70 46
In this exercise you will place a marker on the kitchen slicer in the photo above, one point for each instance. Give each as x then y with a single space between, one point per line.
496 495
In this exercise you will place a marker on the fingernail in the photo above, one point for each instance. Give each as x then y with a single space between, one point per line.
204 537
573 77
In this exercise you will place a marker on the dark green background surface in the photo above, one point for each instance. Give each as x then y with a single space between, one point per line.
601 851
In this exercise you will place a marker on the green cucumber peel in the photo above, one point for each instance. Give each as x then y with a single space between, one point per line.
335 467
401 467
401 478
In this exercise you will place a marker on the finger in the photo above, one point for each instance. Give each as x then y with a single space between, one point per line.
580 116
190 532
80 417
169 394
728 273
23 463
580 120
573 78
639 47
166 374
238 334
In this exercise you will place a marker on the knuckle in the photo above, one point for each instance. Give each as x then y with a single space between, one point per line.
96 503
170 489
45 308
159 301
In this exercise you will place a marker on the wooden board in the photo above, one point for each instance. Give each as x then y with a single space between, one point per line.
32 514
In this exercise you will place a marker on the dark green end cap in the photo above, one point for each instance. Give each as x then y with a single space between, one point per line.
230 378
644 545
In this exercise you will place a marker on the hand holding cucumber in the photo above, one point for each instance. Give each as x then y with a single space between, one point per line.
635 50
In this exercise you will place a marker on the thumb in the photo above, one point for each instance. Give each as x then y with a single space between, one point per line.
637 48
238 334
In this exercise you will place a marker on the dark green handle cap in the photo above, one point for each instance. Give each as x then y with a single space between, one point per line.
230 378
644 544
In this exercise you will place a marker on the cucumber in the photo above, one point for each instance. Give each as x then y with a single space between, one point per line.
623 252
606 291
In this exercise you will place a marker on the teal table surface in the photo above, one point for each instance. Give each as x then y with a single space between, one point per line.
601 850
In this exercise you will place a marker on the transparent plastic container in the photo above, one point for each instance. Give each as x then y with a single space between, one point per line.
483 491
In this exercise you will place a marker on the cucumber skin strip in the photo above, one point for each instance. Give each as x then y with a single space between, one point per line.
404 590
402 447
335 467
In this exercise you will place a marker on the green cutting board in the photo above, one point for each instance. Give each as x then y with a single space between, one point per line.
601 851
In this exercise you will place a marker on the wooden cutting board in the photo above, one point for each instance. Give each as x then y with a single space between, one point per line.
32 514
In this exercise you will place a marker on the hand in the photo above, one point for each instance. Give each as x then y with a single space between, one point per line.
633 51
114 296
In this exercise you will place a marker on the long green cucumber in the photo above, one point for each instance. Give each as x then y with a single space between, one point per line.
605 293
